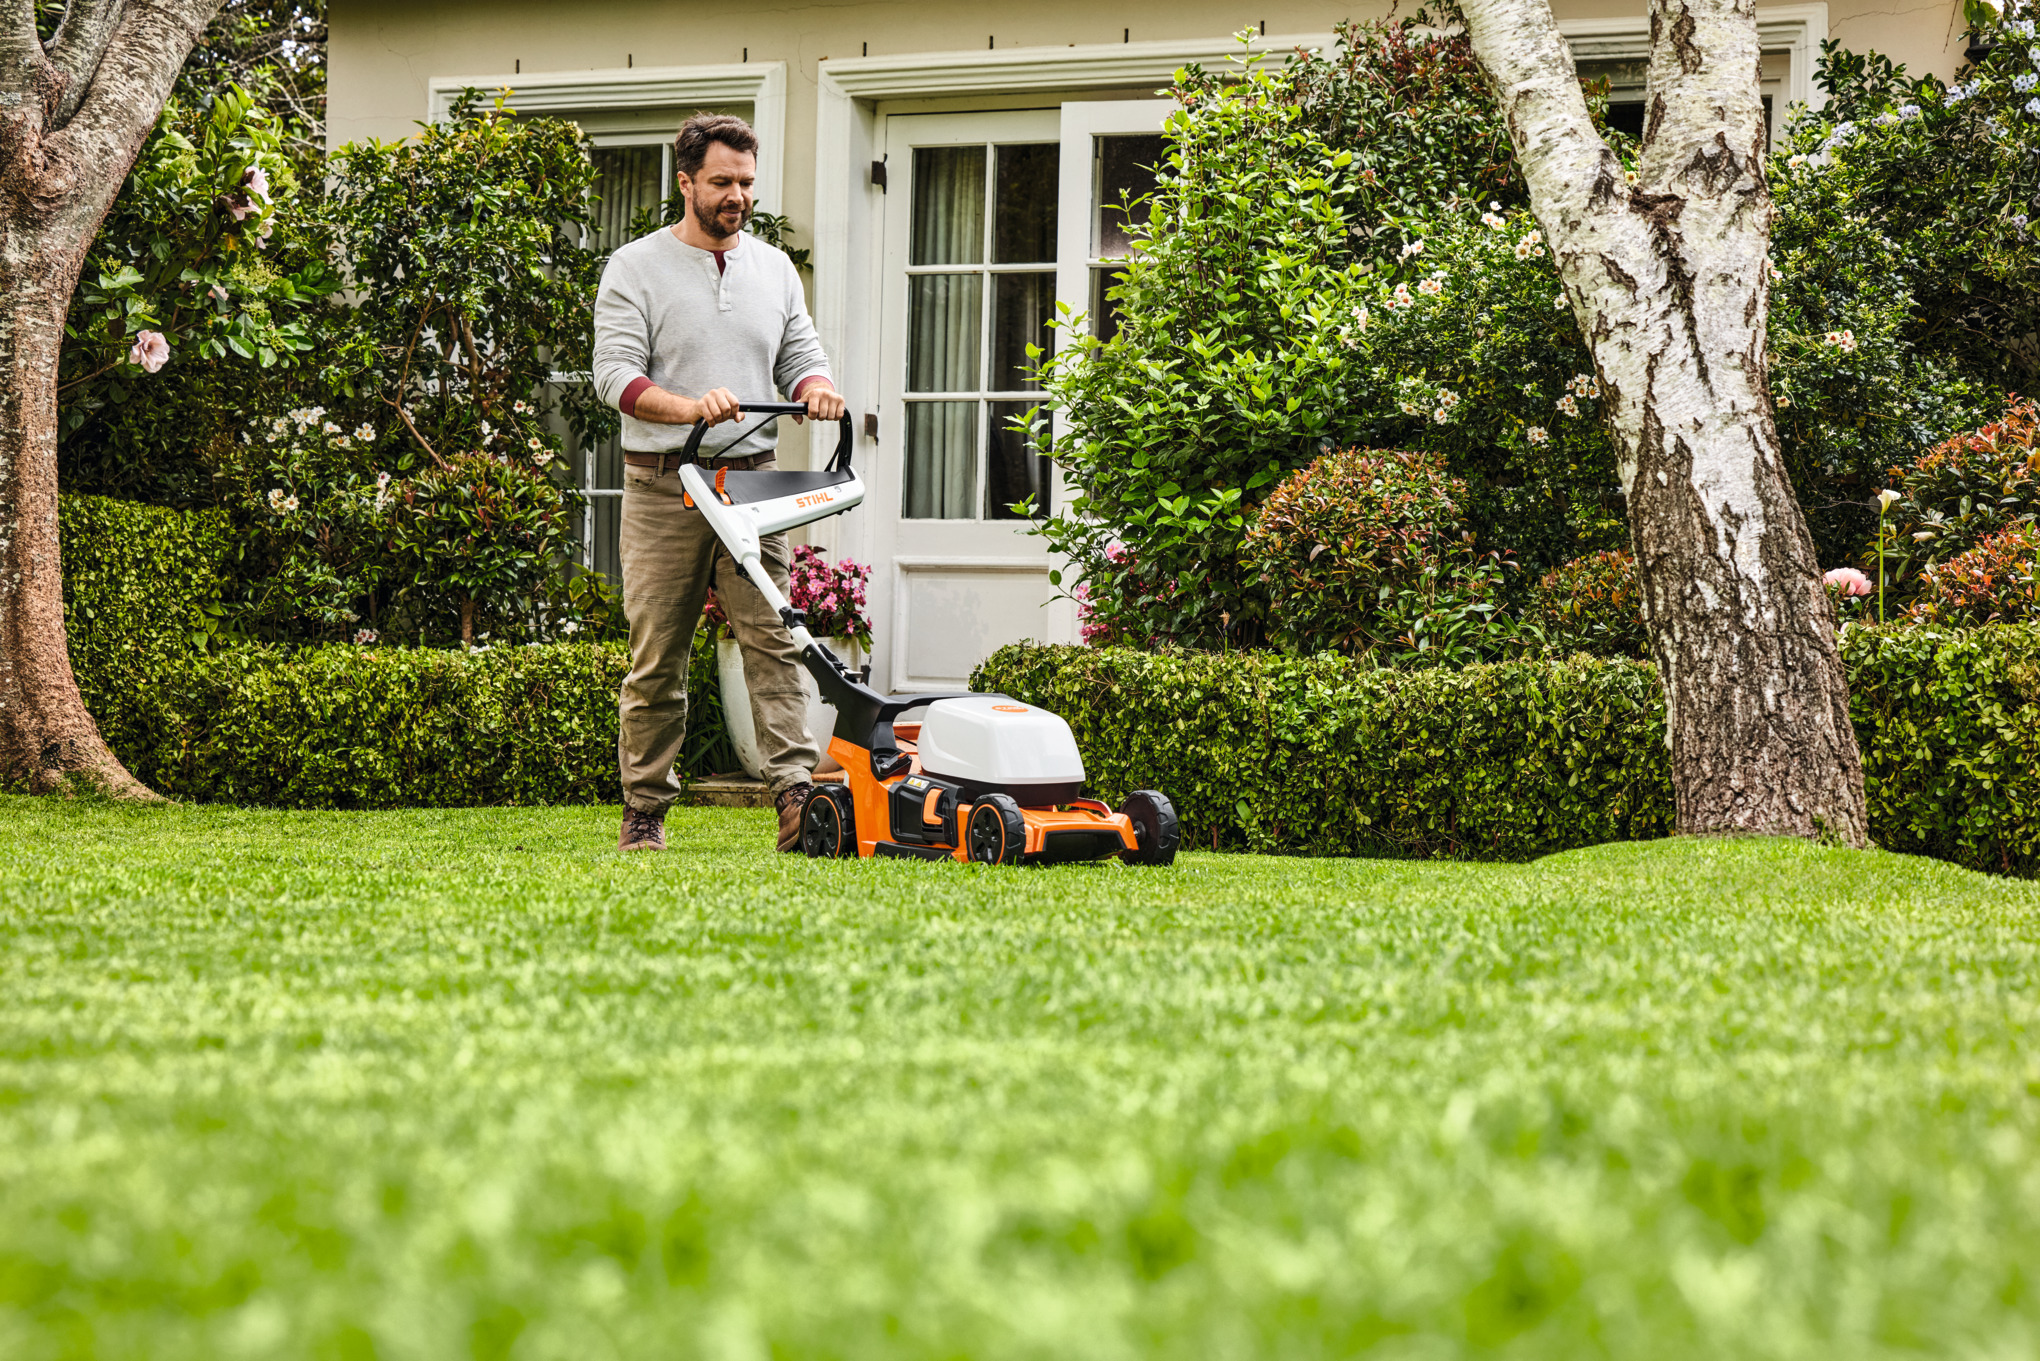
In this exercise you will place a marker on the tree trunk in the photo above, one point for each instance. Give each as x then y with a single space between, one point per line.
73 114
1669 279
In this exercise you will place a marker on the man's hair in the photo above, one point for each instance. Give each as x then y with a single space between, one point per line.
690 148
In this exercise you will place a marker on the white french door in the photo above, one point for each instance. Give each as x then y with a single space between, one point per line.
990 219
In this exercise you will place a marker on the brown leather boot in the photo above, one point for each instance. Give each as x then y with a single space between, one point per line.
642 831
792 803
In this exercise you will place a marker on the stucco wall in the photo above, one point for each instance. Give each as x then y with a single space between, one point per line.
383 52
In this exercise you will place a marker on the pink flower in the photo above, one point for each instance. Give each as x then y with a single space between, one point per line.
1115 551
151 351
1849 579
257 182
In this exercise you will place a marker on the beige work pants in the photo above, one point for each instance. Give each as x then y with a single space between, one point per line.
669 555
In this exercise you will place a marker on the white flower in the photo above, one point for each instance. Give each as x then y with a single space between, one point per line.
1842 340
1885 499
2025 81
1530 245
364 431
519 407
1412 248
363 637
1558 303
1568 405
1495 220
1629 176
1771 270
1537 434
2032 106
1411 408
1447 398
1794 162
541 457
1401 297
1431 287
343 441
329 428
1442 415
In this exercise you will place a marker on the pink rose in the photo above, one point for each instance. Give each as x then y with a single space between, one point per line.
151 351
1849 579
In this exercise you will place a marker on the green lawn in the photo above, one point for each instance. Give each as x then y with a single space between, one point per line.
441 1084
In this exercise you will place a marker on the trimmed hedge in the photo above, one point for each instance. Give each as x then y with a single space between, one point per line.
344 727
143 585
196 715
1328 756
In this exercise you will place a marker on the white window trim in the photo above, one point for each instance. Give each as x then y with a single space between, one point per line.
761 84
1795 29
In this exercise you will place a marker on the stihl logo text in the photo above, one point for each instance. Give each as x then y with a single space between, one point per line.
818 498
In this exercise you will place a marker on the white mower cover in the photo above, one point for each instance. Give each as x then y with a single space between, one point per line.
990 740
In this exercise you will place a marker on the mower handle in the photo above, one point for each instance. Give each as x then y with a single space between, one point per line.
837 463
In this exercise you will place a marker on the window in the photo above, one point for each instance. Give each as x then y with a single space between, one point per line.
980 290
629 180
1122 177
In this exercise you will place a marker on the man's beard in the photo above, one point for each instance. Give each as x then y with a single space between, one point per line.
713 224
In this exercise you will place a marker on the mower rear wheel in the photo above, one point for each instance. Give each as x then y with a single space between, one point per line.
828 826
1154 827
996 833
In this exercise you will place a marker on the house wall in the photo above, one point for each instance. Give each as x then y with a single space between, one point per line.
383 52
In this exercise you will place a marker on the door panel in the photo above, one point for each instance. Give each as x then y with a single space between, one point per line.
970 278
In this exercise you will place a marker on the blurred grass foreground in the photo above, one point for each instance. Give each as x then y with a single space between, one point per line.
469 1083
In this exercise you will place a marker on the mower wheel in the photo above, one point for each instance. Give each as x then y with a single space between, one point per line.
996 833
828 827
1154 827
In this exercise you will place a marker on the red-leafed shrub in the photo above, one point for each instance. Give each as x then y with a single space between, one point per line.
1996 582
1364 551
1592 604
1962 491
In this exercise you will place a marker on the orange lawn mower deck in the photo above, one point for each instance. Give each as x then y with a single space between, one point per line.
976 777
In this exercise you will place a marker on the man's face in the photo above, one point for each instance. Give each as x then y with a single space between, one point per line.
719 195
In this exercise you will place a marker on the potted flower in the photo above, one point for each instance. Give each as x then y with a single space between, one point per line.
832 597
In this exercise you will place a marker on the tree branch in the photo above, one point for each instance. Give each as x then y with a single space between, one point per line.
134 75
80 42
21 51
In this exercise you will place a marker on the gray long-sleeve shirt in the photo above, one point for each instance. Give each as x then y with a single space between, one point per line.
665 312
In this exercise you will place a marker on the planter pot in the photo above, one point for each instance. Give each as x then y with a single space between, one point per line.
736 698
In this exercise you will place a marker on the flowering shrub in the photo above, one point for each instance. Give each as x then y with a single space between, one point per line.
1947 177
470 283
1593 604
1996 582
830 594
465 546
200 294
1242 347
1469 332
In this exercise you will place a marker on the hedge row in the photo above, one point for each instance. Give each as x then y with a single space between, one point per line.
143 586
198 716
1322 754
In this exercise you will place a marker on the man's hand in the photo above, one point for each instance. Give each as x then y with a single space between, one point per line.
824 403
715 406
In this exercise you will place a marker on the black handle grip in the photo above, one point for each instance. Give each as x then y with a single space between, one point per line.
840 461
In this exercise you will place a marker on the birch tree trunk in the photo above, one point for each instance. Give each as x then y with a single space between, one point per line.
1669 279
73 114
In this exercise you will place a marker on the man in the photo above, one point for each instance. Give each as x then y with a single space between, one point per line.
687 318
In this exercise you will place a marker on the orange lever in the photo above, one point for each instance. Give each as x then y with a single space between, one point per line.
720 494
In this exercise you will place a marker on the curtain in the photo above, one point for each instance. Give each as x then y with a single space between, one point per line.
942 440
627 182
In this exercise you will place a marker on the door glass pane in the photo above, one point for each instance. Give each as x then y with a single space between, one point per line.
1125 174
626 183
1021 307
1023 230
943 313
949 205
1103 308
1014 469
942 445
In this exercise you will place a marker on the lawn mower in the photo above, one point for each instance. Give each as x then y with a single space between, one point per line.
927 777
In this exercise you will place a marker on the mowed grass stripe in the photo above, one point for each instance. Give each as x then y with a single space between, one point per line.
468 1082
